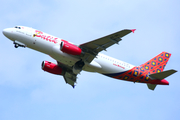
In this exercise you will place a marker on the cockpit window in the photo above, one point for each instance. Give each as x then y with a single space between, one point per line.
17 27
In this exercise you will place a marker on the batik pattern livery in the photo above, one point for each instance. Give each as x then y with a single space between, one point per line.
141 73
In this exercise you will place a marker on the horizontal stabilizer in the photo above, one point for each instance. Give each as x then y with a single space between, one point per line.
162 75
151 86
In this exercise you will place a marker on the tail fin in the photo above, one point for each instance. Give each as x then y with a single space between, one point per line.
154 68
157 64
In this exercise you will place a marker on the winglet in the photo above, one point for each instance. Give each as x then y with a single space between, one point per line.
133 30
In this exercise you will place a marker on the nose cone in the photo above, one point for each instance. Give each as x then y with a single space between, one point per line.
6 32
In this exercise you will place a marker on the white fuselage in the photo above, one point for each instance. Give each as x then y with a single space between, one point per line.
50 45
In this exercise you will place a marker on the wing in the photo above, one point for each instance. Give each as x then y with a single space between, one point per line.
92 48
69 76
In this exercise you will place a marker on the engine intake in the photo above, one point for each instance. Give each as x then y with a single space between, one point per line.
51 68
70 48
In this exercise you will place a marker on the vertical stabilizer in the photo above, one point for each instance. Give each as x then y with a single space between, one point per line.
157 64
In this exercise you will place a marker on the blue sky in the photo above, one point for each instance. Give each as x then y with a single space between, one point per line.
27 92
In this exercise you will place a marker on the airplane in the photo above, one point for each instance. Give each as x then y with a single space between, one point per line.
72 59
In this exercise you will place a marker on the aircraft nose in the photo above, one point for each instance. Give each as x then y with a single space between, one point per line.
6 32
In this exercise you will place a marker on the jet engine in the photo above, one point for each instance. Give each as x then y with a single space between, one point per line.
51 68
70 48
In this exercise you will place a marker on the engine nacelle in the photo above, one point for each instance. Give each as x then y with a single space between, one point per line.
70 48
51 68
